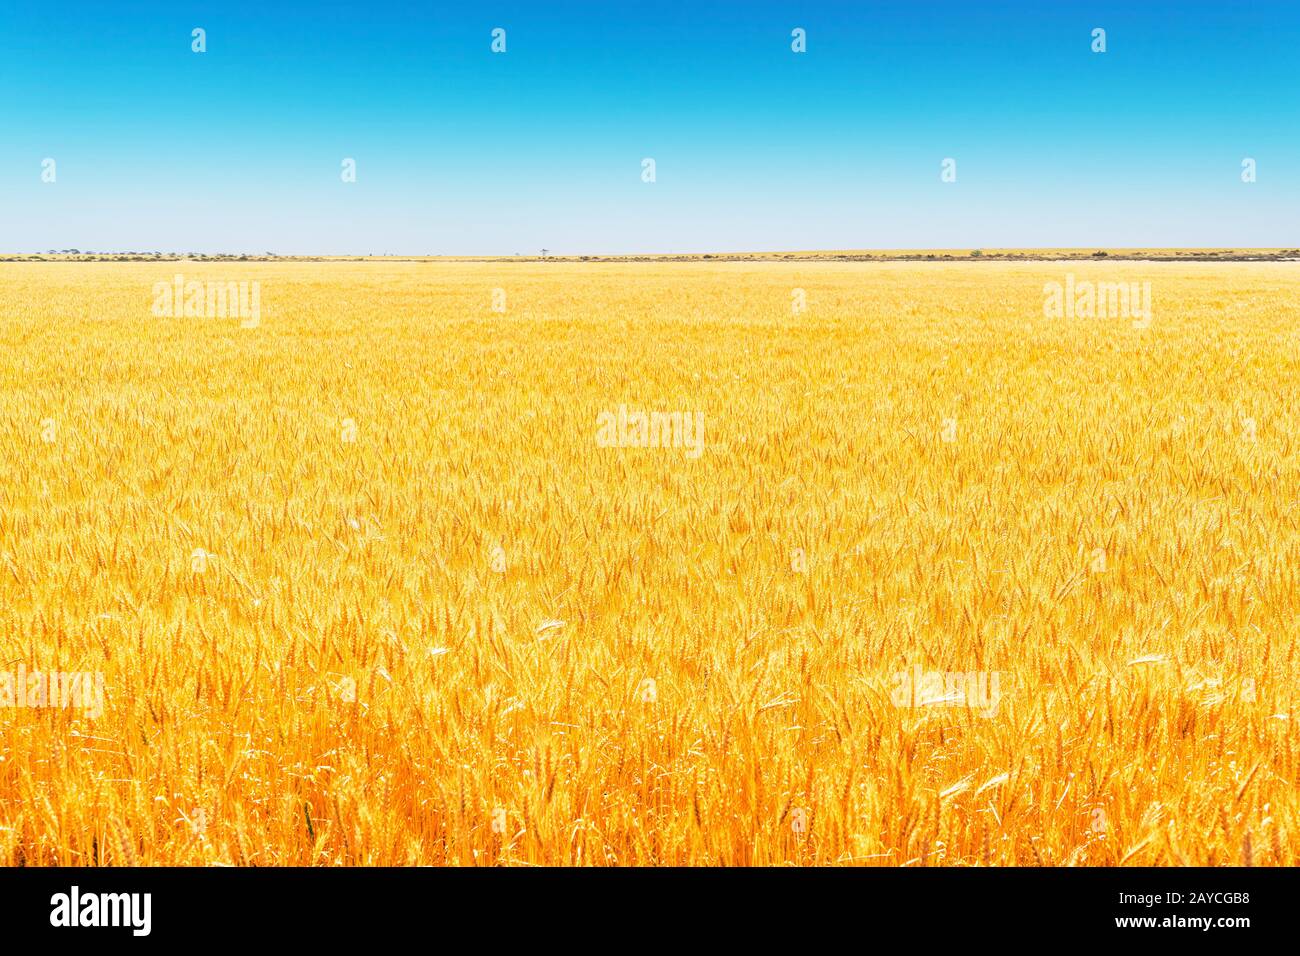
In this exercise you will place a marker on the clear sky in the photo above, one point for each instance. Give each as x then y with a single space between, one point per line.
462 151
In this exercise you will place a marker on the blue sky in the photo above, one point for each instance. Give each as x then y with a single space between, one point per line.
462 151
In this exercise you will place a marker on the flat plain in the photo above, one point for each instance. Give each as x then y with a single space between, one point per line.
950 582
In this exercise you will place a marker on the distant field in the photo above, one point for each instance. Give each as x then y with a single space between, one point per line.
905 570
847 255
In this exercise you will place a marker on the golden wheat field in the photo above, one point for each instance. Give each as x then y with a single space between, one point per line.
365 587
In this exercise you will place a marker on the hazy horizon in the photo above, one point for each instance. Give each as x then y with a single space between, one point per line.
551 254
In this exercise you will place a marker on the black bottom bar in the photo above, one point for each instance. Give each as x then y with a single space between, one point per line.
559 906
